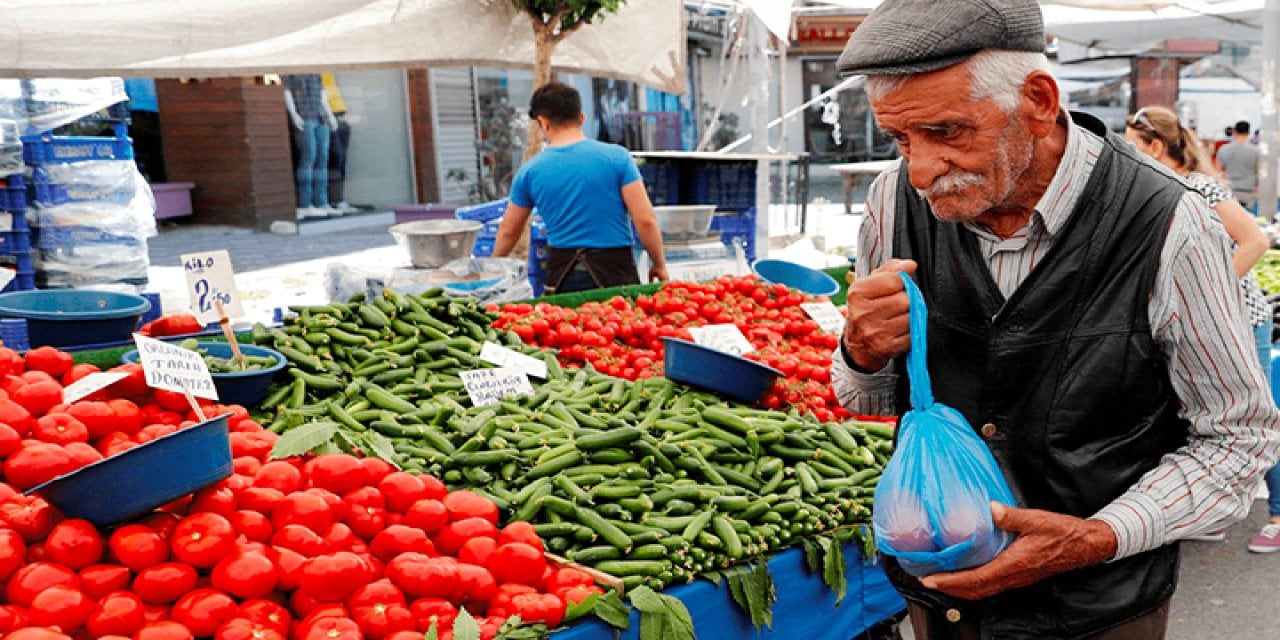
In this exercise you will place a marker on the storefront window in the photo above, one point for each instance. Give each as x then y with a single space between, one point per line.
840 128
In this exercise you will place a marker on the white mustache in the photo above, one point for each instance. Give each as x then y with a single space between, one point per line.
952 182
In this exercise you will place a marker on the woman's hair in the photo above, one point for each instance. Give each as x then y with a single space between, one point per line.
993 73
1182 144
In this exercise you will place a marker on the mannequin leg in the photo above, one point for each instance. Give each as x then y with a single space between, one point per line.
320 167
338 142
306 160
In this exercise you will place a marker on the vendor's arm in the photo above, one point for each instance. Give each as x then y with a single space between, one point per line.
1200 325
636 198
513 224
862 390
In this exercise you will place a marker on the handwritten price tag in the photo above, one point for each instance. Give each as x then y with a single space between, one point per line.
86 386
722 337
168 366
488 386
211 280
827 316
501 356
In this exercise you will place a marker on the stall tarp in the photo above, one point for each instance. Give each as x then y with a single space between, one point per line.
219 38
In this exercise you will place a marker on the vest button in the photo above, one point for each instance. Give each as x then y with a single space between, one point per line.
953 615
988 430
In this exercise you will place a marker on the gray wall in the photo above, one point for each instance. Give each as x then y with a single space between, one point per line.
379 158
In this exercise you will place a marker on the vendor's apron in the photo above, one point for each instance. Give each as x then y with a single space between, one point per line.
612 267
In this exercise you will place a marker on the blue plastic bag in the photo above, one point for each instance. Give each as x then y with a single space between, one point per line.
933 503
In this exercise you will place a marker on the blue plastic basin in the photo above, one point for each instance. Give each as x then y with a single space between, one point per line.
244 388
68 317
716 371
134 482
796 276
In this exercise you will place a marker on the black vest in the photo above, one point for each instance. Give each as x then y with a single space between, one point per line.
1067 372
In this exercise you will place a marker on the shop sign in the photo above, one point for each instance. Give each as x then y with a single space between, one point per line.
823 34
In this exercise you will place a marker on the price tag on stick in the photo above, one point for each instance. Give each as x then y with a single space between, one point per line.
225 323
722 337
210 281
827 316
489 386
170 367
86 386
501 356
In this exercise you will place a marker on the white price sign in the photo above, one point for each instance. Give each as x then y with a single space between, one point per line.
210 280
86 386
7 276
722 337
501 356
827 316
488 386
168 366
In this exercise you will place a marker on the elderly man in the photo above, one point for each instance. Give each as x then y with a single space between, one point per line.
1083 317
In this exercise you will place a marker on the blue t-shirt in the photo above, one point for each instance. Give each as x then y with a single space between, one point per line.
577 189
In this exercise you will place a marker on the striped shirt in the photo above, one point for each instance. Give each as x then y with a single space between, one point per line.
1234 435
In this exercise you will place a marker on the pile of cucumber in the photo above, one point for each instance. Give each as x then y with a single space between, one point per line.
649 481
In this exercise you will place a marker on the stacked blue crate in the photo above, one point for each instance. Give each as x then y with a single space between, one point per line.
737 227
728 185
490 215
15 244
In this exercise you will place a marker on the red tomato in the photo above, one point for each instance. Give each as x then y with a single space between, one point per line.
267 613
16 416
330 629
337 472
397 539
30 516
332 577
201 539
246 629
75 544
203 611
539 607
36 633
118 613
218 499
171 400
299 539
29 580
420 576
78 372
477 551
433 611
10 440
578 593
476 584
519 531
60 428
517 562
37 463
455 534
98 580
38 397
383 620
98 417
565 578
165 582
255 444
245 575
463 504
60 605
427 514
260 499
278 475
49 360
378 592
138 546
13 553
252 525
302 508
163 630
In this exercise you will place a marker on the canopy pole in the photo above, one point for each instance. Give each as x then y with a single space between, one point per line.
1269 140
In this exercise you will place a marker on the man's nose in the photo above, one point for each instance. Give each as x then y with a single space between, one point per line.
926 168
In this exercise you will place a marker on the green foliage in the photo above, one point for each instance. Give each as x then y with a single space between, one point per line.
572 13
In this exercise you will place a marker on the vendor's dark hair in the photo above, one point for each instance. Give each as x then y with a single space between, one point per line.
556 101
1242 127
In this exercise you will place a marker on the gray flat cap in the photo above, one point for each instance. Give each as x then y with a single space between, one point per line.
902 37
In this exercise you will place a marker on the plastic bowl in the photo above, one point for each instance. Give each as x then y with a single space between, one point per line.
244 388
716 371
796 276
68 317
136 481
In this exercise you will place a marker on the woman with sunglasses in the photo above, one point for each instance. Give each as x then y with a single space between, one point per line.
1157 132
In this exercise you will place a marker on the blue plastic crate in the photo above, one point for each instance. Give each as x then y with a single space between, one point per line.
69 238
16 241
13 197
483 212
45 191
734 227
728 185
483 249
661 180
50 149
13 333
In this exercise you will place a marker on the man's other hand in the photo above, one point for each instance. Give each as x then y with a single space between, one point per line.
1047 544
877 327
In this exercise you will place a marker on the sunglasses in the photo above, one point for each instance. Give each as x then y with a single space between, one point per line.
1140 118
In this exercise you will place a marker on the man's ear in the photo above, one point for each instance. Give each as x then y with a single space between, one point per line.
1040 102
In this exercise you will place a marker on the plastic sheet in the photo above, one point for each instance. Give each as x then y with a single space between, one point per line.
53 102
933 502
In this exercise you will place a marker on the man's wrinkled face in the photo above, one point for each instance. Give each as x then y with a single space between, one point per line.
965 157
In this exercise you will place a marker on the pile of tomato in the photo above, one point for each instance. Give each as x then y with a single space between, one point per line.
329 547
623 338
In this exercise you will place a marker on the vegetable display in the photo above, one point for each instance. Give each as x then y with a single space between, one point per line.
623 337
1267 270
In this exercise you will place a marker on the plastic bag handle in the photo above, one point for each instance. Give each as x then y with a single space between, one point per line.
917 358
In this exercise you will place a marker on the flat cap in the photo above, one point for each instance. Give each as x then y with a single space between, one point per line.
902 37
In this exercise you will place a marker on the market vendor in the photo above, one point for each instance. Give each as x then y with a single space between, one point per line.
588 194
1083 316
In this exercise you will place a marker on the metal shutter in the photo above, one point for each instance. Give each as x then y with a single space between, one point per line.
455 127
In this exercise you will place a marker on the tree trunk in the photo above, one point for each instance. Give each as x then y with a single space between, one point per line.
544 43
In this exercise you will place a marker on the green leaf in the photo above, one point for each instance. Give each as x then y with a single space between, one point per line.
326 448
613 610
762 594
714 576
346 441
515 629
812 555
432 633
736 579
381 446
304 438
662 617
577 610
833 568
465 627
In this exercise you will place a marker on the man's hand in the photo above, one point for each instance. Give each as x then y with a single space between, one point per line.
658 273
878 327
298 123
1047 544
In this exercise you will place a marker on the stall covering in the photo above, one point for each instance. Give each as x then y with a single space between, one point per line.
217 38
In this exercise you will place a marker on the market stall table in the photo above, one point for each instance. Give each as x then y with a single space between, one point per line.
806 607
854 172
